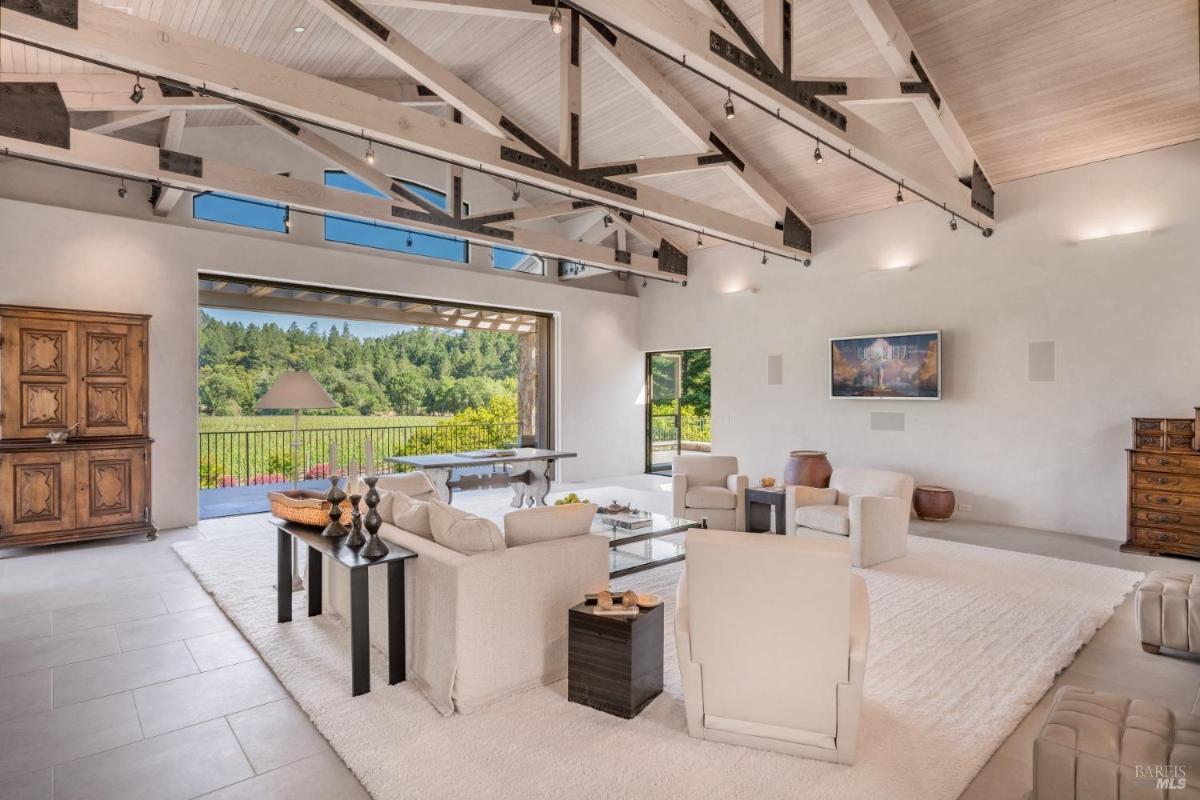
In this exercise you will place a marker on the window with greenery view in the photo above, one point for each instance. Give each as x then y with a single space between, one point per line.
518 261
391 237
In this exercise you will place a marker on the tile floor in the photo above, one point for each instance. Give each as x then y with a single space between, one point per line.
119 678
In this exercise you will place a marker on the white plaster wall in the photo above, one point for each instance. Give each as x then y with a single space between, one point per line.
53 256
1124 314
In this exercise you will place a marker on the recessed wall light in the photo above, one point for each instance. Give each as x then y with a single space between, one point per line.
298 29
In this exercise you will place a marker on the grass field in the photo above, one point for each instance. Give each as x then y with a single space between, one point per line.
281 422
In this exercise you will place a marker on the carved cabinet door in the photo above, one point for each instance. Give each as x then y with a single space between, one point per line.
110 486
37 367
36 493
112 379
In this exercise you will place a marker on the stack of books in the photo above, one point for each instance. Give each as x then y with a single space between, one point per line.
627 521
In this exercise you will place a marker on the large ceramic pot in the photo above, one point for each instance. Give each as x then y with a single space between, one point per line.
933 503
807 468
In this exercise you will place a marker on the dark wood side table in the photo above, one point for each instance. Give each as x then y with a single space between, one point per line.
360 644
614 664
759 502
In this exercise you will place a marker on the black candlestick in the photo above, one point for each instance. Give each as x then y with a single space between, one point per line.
334 497
375 547
356 535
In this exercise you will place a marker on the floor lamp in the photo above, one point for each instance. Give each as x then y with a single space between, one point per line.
296 391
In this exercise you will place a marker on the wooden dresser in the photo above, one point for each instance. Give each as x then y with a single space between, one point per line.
86 369
1164 487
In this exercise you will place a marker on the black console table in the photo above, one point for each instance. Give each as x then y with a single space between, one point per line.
360 644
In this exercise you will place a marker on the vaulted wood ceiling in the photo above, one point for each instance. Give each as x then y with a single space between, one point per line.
1035 85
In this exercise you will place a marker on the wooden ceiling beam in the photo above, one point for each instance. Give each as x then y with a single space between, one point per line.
894 44
119 157
673 27
395 48
110 91
570 86
172 139
151 48
120 120
628 58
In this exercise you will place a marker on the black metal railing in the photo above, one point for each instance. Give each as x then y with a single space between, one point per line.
256 457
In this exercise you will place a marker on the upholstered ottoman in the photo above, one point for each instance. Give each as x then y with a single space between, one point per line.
1096 746
1168 613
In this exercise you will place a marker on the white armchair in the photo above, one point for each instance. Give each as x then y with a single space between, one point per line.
771 634
709 488
871 507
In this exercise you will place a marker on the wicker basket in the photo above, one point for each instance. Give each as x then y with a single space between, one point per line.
305 507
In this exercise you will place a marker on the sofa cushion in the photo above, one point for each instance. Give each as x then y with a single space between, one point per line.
462 532
544 523
710 497
830 519
409 514
414 484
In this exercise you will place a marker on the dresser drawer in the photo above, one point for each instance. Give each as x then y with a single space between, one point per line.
1166 481
1164 540
1181 443
1166 517
1165 501
1167 463
1149 441
1147 425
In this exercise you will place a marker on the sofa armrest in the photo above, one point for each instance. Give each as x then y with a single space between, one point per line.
878 529
679 486
796 496
683 630
860 626
738 485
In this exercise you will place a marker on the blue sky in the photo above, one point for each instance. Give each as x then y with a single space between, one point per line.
360 329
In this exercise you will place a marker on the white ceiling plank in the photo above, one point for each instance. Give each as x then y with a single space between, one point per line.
673 27
149 48
515 9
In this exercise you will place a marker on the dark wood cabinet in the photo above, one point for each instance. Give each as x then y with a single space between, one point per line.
1164 487
82 370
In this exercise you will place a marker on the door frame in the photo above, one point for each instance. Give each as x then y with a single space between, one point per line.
649 413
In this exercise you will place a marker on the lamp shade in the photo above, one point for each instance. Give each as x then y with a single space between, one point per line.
296 390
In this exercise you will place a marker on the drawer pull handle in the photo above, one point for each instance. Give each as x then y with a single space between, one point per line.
1164 481
1168 462
1163 500
1158 536
1164 517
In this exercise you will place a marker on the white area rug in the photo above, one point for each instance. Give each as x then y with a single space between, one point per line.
964 641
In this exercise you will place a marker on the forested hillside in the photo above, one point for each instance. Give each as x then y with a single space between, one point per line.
421 371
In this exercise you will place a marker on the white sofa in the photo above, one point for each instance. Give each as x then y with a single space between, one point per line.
705 487
478 627
870 507
771 634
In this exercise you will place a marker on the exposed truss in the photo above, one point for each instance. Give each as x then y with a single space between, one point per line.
744 65
172 139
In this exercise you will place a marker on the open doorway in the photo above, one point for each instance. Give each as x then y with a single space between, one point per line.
678 406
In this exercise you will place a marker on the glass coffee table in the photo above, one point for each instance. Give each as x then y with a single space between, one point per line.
636 549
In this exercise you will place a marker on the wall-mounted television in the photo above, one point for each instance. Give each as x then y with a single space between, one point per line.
886 366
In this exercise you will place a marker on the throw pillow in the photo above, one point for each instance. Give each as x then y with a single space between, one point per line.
544 523
410 515
462 532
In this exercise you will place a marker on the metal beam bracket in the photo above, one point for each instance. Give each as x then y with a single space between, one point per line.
921 86
35 112
795 232
364 18
549 163
671 259
182 163
983 196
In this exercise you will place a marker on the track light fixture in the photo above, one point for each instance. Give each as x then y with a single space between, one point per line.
556 18
408 240
370 154
953 222
730 113
900 193
645 282
764 258
699 240
817 157
987 233
516 191
608 220
138 92
122 190
685 284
